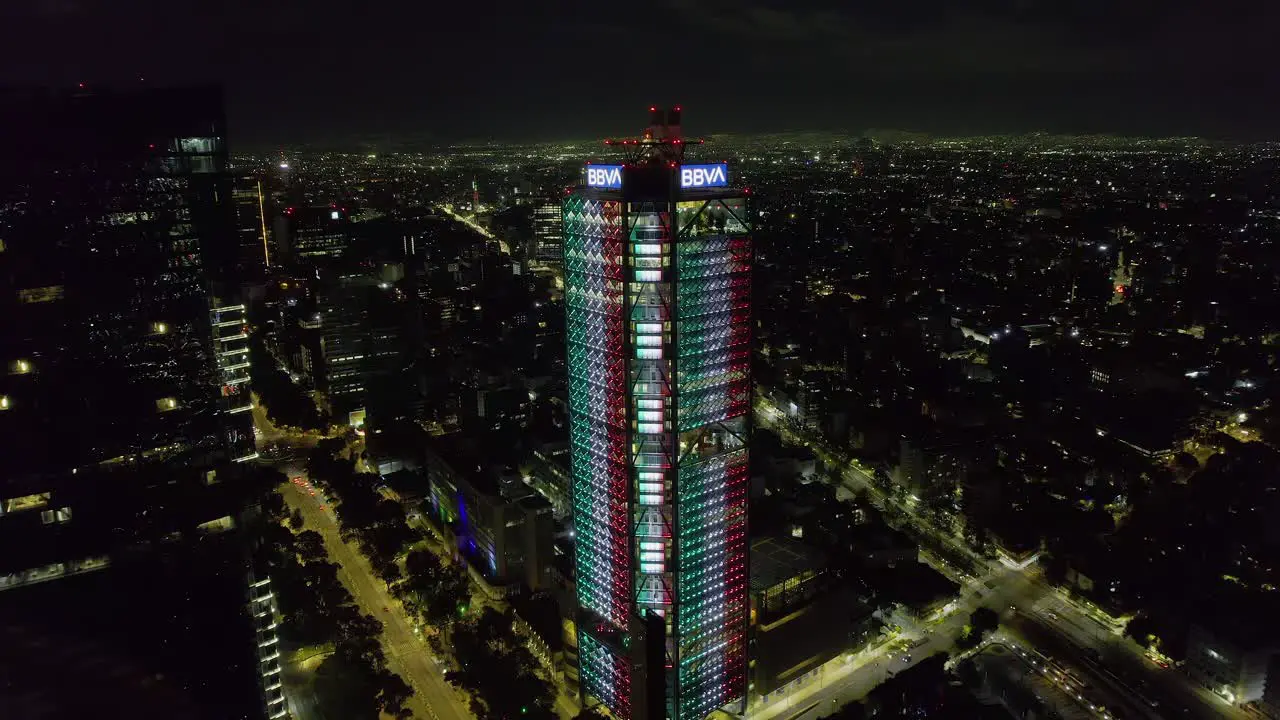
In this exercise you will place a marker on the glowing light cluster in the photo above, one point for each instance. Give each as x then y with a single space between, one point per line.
593 273
713 312
659 350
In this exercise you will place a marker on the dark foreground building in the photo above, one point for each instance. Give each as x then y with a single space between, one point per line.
657 289
124 428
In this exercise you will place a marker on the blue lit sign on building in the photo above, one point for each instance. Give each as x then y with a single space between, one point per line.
700 176
604 176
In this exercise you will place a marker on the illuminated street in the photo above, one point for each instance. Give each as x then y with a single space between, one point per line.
407 654
844 681
1021 588
470 222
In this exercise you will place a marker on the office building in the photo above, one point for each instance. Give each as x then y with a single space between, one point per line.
361 332
658 322
117 243
123 398
255 254
1231 659
801 617
495 522
317 233
548 234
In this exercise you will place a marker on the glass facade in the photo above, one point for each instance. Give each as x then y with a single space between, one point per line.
117 232
659 339
548 236
231 349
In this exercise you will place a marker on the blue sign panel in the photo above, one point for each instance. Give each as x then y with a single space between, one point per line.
700 176
604 176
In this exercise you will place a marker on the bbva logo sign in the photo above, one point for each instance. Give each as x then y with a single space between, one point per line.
694 176
604 176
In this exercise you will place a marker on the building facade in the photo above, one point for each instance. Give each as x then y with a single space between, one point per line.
255 255
548 234
504 536
120 333
802 618
316 234
657 275
1232 660
124 406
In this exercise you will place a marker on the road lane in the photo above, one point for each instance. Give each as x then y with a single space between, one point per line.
407 655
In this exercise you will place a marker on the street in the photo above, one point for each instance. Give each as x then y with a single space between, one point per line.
1023 588
848 681
407 655
470 222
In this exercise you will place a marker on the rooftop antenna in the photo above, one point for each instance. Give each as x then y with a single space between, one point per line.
662 141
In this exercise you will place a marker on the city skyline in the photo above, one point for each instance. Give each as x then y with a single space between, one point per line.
795 426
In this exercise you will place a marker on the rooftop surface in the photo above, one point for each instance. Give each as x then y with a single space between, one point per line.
774 559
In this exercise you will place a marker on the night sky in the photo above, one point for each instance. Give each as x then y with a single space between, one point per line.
334 72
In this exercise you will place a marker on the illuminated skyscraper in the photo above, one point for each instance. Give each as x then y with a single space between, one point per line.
658 286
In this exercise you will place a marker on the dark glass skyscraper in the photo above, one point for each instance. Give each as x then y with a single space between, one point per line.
251 228
658 285
121 332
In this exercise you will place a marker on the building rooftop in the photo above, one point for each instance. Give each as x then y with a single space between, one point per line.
410 485
775 559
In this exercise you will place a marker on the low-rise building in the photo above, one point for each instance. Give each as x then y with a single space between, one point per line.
801 617
1232 661
507 541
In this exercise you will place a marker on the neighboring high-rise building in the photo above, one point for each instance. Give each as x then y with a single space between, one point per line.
343 334
361 343
123 398
658 285
251 229
118 252
548 234
318 232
